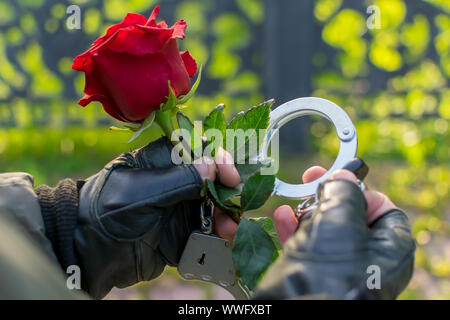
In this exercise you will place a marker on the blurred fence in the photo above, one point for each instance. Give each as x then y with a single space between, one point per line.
37 49
252 48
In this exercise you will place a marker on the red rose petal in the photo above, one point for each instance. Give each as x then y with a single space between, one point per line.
130 20
78 63
127 37
139 40
152 19
96 91
132 84
128 69
105 103
179 29
189 63
162 24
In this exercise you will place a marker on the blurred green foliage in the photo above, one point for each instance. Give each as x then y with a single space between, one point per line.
403 126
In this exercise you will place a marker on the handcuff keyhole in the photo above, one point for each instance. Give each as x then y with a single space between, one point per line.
202 259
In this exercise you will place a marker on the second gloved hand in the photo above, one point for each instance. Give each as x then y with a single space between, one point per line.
333 253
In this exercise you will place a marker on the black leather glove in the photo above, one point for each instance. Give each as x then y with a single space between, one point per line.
133 218
329 255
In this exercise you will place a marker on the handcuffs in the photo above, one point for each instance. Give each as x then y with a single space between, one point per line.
207 257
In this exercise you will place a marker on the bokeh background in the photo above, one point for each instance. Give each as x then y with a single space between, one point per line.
393 82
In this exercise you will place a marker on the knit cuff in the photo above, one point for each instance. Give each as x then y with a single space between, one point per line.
59 208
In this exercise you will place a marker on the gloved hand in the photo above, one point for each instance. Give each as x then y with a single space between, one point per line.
129 220
329 255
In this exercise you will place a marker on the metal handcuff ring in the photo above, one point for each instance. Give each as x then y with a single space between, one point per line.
303 107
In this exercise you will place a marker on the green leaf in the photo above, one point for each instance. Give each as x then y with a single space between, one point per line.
132 126
256 191
258 117
204 190
185 98
253 251
224 205
255 118
171 102
194 139
184 122
268 226
238 121
113 128
178 108
145 125
247 170
274 258
225 193
215 120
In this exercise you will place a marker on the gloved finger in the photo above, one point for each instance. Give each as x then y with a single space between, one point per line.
392 228
285 222
345 175
178 224
150 187
392 248
228 174
377 204
224 226
338 226
157 154
348 175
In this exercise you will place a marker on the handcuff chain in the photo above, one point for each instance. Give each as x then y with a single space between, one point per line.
311 203
306 206
207 222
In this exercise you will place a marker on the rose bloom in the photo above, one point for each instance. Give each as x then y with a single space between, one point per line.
128 69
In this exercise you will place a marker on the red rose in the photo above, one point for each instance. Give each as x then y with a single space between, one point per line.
128 69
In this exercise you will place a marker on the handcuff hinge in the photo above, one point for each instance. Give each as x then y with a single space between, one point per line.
207 220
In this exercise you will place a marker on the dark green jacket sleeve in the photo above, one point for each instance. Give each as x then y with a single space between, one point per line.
28 265
19 199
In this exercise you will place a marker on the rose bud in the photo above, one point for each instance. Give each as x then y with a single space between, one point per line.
128 69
